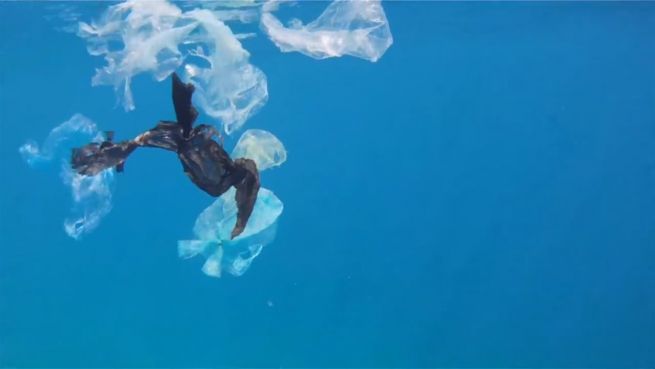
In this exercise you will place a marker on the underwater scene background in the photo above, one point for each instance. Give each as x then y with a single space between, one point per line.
481 193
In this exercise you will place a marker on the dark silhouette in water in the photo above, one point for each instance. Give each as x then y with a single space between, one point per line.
203 159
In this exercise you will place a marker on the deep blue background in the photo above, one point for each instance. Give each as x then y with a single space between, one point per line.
484 195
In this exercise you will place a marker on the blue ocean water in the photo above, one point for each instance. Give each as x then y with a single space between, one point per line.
483 195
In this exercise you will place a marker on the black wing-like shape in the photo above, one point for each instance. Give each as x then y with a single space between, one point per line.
94 158
204 160
246 195
184 110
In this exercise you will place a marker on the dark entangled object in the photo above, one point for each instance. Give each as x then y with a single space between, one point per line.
203 159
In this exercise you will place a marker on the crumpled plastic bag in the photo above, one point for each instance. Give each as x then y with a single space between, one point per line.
214 225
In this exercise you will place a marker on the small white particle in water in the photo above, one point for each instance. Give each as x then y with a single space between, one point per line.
269 303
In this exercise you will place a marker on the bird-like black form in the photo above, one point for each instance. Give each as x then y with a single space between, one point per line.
204 160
